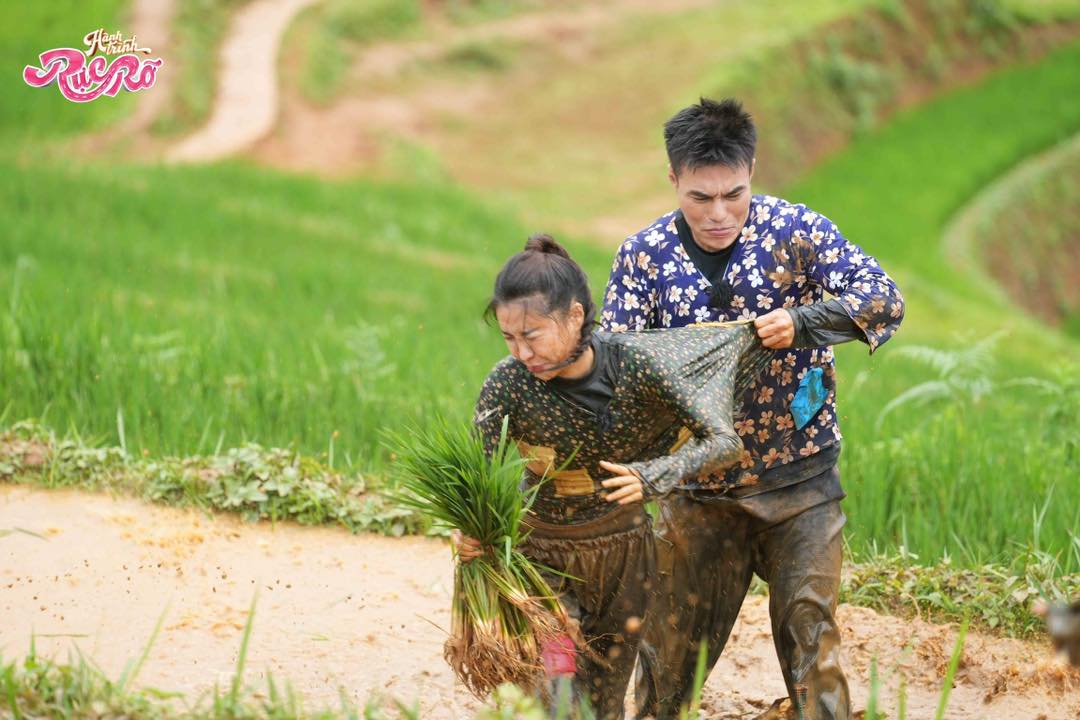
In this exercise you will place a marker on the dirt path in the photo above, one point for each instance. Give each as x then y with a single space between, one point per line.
151 21
361 613
246 104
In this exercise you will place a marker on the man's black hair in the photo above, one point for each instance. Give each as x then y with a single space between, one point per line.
710 133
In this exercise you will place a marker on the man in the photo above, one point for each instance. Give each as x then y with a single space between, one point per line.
727 255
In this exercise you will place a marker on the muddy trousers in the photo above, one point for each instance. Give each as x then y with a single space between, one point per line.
707 554
611 564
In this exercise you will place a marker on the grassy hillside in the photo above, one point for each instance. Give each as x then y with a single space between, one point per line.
1029 236
592 92
966 470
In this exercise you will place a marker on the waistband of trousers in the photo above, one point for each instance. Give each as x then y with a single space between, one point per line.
622 519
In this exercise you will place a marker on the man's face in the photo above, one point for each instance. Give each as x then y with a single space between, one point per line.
715 201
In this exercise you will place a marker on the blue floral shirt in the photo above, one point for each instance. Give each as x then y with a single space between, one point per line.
786 255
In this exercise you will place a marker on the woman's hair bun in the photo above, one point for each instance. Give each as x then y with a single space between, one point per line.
544 243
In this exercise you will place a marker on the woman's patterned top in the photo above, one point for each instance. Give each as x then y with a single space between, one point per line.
669 420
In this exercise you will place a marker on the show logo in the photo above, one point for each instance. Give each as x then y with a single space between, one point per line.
83 76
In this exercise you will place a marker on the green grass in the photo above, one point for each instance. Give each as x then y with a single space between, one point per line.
966 474
274 484
933 159
821 90
1044 10
332 32
488 56
1031 234
364 21
470 12
995 598
213 306
180 312
324 58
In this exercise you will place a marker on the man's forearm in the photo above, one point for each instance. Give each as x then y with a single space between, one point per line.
821 324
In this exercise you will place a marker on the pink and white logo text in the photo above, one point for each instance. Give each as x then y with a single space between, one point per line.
85 76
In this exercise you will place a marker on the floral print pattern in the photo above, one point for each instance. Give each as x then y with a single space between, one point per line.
787 255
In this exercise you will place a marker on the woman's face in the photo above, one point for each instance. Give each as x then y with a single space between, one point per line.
540 342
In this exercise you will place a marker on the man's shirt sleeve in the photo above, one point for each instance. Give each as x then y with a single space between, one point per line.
868 295
823 323
629 300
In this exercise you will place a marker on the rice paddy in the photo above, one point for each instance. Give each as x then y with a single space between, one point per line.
178 311
195 335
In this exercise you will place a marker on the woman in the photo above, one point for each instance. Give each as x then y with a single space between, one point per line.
607 421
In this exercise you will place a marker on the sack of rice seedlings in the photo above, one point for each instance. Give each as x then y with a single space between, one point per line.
503 610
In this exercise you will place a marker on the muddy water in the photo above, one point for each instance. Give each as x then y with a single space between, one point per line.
361 614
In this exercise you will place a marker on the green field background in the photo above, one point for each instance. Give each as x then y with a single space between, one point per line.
181 311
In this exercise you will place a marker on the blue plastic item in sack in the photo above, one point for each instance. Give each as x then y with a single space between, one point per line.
808 398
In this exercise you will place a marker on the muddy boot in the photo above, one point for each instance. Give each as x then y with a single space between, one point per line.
800 559
781 709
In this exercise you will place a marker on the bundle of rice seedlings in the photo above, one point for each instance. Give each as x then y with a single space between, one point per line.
503 610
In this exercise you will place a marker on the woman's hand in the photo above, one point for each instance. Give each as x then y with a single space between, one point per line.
465 547
626 486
